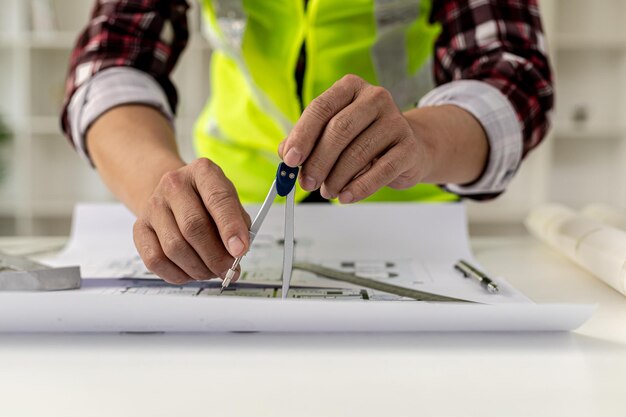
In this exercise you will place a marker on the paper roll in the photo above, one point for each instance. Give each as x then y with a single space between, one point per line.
609 215
597 247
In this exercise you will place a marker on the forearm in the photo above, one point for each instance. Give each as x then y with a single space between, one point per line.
457 144
133 146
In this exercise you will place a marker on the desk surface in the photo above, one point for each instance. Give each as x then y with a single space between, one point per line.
572 374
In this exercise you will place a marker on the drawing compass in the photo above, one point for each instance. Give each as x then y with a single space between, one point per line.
284 186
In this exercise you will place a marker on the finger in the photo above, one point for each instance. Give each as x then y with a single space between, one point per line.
337 137
281 146
317 114
386 169
357 156
220 199
246 218
176 248
154 258
365 169
200 232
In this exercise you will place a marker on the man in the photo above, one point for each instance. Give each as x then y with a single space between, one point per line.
338 88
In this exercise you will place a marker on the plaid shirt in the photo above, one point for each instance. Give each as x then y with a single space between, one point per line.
499 42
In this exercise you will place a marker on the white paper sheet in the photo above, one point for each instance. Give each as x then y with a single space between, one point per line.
422 242
63 312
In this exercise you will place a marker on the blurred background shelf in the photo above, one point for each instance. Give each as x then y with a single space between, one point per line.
573 132
585 42
584 157
45 177
582 160
51 40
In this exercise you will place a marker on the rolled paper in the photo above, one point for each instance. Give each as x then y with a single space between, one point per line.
596 247
609 215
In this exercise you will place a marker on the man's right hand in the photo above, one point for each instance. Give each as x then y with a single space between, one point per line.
193 225
190 223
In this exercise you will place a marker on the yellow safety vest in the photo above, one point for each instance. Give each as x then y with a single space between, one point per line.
254 100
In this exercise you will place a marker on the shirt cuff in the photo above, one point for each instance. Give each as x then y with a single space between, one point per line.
107 89
497 116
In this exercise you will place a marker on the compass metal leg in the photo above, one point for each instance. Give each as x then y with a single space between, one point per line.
288 249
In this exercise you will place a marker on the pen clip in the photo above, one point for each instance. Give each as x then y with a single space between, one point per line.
459 267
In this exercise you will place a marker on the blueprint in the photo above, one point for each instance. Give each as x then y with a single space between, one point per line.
410 245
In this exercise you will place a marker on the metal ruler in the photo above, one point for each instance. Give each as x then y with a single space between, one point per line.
18 273
336 275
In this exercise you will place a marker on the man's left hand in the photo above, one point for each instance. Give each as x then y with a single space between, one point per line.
353 140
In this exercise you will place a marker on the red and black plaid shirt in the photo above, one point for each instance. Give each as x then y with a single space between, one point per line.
131 33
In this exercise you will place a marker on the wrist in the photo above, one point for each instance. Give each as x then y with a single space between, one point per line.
427 152
454 146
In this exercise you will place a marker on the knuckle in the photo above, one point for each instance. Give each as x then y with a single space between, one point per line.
341 126
322 107
173 246
219 198
357 154
154 260
222 205
402 183
194 226
380 94
172 181
389 169
206 166
351 80
155 203
202 162
138 226
408 137
401 126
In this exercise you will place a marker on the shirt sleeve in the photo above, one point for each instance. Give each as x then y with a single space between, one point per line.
107 89
147 35
498 44
499 121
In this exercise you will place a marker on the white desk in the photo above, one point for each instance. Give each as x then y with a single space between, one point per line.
577 374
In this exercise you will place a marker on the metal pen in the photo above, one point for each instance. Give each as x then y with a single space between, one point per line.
470 271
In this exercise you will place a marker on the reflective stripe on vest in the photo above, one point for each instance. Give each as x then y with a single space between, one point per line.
254 101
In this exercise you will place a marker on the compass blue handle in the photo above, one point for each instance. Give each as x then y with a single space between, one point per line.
285 179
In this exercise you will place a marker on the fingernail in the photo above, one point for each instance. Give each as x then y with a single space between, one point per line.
235 246
309 183
324 193
346 197
281 146
293 158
